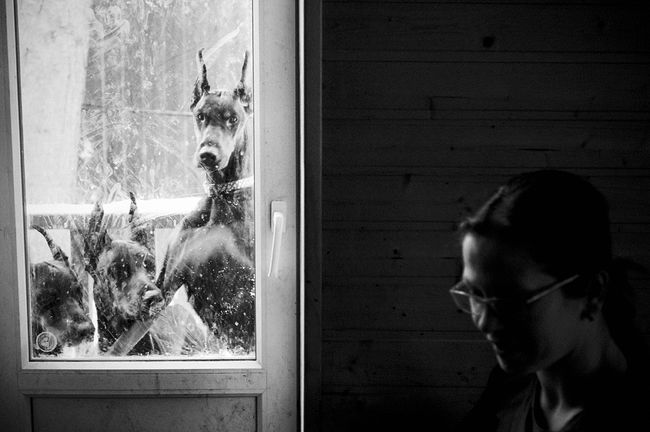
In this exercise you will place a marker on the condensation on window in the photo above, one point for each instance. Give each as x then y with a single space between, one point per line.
138 247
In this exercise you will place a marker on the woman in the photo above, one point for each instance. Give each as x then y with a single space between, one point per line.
539 281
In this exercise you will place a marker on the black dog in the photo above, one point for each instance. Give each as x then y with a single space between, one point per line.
123 272
60 313
211 252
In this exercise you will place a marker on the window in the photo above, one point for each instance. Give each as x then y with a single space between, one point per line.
128 257
189 391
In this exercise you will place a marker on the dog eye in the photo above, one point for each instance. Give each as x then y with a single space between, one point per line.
233 119
200 117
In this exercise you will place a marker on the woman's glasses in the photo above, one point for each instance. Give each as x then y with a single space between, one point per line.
473 301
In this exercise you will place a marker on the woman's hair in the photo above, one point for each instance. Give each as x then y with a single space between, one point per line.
558 217
562 221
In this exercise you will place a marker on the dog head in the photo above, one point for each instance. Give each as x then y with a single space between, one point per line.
220 125
59 305
123 270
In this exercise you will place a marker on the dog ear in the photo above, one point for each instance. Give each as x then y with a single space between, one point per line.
242 91
132 208
96 238
201 86
139 229
57 252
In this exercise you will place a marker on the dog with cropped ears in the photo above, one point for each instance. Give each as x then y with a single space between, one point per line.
211 252
59 303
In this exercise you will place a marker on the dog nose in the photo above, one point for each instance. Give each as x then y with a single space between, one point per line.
208 152
151 292
82 330
207 158
87 330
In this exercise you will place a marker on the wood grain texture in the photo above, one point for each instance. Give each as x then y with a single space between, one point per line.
433 195
423 362
481 26
415 306
479 144
466 91
396 408
428 106
145 414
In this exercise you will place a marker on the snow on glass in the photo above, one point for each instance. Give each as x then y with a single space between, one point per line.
108 148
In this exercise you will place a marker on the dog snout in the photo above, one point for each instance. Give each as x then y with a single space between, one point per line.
215 148
76 328
208 153
151 292
139 298
82 331
152 299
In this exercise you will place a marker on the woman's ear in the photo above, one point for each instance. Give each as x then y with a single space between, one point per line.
596 290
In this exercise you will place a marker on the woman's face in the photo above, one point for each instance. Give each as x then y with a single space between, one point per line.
532 337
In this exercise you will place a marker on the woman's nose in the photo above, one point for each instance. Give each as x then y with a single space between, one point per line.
486 320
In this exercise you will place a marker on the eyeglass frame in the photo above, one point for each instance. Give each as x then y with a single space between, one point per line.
490 301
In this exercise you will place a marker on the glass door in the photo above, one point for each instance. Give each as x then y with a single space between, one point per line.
153 174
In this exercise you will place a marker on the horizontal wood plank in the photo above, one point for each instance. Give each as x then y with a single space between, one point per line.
518 145
445 197
530 114
428 362
417 305
101 414
475 26
511 135
373 186
594 58
393 409
425 253
383 304
487 90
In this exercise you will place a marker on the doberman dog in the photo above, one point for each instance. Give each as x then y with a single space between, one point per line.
60 312
123 272
211 252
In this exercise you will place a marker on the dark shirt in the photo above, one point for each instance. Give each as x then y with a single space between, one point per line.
509 405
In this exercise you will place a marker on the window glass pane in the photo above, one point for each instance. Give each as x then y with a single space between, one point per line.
138 178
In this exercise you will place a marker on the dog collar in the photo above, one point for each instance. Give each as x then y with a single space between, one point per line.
229 187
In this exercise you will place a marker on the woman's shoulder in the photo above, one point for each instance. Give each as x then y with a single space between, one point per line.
505 400
620 403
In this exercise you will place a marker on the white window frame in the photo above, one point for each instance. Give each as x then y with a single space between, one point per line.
128 362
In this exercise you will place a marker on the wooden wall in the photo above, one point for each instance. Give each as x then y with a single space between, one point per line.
427 107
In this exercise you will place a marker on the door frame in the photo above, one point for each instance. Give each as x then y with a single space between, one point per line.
310 16
274 381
